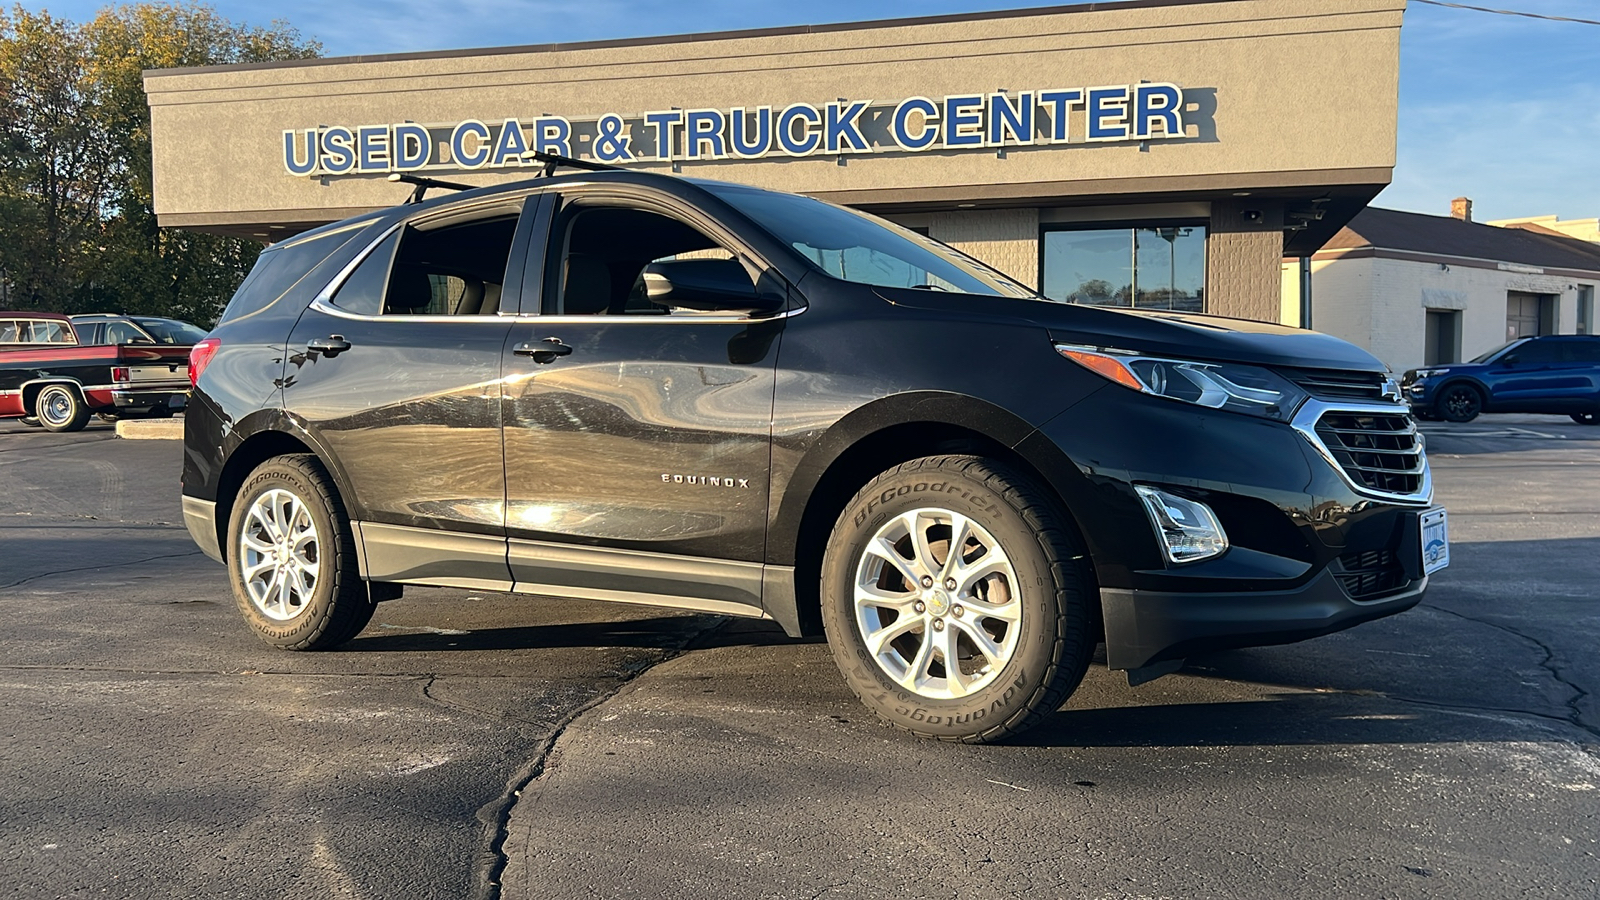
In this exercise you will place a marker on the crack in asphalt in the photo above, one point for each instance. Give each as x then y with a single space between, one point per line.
1574 713
131 562
495 815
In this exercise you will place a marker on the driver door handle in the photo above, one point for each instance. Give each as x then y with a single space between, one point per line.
330 346
544 351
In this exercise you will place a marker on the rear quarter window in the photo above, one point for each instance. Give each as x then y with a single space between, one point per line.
282 266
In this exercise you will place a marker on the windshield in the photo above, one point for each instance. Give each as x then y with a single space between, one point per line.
171 331
1485 357
853 246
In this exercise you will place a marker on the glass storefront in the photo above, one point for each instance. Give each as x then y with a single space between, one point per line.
1148 267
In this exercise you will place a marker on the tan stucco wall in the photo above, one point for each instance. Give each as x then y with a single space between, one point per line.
1007 239
1281 92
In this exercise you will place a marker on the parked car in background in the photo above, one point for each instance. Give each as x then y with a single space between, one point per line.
1553 374
108 328
50 377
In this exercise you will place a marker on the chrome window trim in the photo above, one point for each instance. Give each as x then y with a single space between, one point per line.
323 303
1305 422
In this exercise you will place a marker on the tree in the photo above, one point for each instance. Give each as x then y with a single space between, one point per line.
79 231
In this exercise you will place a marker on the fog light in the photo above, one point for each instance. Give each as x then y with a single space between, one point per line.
1189 530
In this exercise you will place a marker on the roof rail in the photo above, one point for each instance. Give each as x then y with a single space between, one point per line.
422 185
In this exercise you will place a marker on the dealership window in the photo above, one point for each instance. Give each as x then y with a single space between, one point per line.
1142 266
1586 309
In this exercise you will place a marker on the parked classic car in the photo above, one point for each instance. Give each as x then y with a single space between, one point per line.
49 377
1553 374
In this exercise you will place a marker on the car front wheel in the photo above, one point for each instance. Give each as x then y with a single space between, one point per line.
954 601
291 558
60 408
1460 403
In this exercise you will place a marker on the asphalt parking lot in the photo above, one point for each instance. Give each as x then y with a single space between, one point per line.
480 745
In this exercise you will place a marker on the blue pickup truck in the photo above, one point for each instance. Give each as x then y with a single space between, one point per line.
1555 374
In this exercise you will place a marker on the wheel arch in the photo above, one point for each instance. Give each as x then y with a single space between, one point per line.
871 440
1483 391
32 389
268 434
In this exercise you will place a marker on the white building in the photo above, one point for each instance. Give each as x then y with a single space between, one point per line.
1419 290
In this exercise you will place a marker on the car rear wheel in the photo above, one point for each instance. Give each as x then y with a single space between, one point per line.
1460 403
1586 418
954 601
60 408
291 558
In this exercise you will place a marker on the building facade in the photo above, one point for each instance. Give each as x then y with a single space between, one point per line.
1421 290
1153 153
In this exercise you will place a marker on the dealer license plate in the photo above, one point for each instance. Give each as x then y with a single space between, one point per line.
1435 541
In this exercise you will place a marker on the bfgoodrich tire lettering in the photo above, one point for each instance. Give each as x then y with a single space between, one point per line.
288 528
1011 607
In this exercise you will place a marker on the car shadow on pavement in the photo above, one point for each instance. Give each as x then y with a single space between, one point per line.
1283 720
654 633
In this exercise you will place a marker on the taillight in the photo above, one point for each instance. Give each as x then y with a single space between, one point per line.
199 355
119 373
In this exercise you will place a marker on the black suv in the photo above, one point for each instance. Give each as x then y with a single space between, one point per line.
636 387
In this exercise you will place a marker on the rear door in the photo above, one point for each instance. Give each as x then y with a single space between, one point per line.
637 437
397 371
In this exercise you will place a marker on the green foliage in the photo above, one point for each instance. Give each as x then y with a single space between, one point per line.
78 228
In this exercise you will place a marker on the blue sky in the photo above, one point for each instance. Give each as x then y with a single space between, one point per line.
1503 109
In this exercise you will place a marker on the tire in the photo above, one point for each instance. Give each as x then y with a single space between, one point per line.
288 510
1586 418
1459 403
60 408
31 421
1034 600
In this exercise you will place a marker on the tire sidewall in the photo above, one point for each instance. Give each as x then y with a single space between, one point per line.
313 618
1444 403
1005 698
76 414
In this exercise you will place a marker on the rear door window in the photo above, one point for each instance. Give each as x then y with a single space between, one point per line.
457 269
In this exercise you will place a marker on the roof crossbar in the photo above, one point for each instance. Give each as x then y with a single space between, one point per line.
423 184
552 162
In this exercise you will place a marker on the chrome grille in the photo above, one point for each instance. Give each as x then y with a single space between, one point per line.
1336 385
1378 451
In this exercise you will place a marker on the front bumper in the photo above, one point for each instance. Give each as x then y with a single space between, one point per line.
1153 626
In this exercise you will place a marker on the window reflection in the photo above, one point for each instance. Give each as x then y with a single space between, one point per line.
1154 267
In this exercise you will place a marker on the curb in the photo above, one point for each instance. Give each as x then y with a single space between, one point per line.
150 429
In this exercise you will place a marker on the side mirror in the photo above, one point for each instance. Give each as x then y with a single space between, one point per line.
707 285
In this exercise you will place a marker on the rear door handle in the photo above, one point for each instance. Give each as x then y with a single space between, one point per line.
330 346
544 351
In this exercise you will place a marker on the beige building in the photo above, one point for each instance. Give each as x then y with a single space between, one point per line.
1582 229
1419 290
1159 153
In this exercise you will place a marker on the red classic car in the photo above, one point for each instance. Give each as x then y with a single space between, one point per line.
50 379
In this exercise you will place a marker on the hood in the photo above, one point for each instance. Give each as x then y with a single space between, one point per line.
1157 333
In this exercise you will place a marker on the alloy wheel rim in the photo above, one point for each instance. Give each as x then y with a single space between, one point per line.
937 603
56 408
1460 402
280 554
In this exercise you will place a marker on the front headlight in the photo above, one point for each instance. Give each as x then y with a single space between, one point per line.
1231 386
1429 373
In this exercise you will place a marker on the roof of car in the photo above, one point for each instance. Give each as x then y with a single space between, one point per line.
12 313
